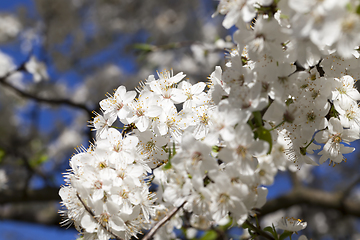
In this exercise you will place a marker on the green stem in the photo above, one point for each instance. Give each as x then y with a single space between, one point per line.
257 222
258 231
118 127
277 125
309 143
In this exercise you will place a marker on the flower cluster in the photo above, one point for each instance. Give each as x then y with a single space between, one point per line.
107 193
213 150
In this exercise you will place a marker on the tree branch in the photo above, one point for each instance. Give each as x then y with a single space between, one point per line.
38 195
44 100
159 224
41 99
349 188
313 197
34 212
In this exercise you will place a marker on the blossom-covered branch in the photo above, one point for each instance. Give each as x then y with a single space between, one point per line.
217 145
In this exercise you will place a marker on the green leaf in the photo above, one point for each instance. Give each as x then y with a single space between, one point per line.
209 235
358 9
285 234
174 150
167 165
2 154
272 231
289 101
244 60
171 154
332 113
245 225
145 47
38 160
264 134
284 16
226 227
349 7
257 119
206 181
215 149
269 229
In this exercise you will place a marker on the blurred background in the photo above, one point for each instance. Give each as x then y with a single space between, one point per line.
59 58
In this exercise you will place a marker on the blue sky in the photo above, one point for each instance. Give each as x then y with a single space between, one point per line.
14 230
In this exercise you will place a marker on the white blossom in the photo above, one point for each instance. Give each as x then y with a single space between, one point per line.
291 224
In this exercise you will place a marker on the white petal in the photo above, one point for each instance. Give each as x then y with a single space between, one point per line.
88 223
198 88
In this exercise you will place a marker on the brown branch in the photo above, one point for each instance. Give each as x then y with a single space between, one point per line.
34 212
159 224
41 99
349 188
38 195
313 197
170 46
44 100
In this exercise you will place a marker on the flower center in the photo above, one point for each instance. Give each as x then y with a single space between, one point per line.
196 157
262 172
124 194
104 218
336 138
98 184
139 112
283 80
118 146
348 24
239 81
102 165
150 146
311 117
204 119
223 198
315 94
241 151
189 96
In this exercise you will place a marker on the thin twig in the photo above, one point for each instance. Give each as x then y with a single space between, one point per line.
4 82
158 225
93 215
44 100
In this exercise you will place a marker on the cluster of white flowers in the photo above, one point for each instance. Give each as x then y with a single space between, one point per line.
215 149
